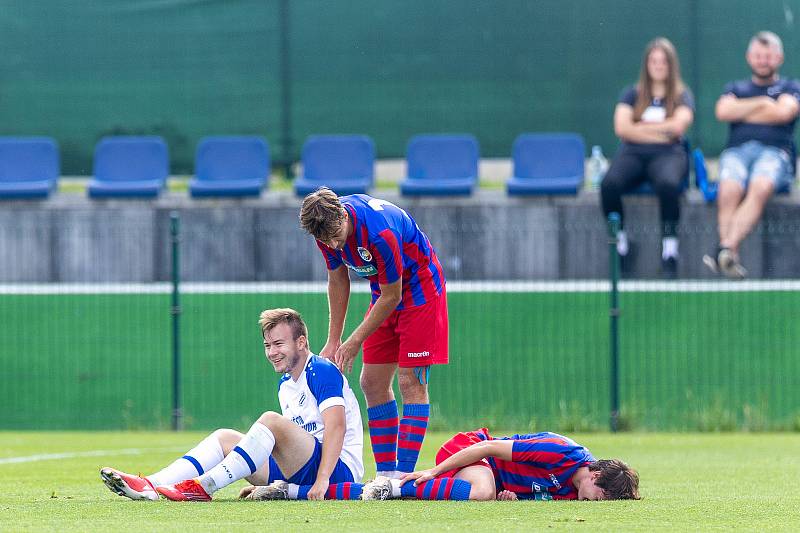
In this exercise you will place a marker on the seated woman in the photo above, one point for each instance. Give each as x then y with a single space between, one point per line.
651 119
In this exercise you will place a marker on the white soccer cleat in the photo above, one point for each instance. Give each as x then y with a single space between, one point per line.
277 490
133 487
379 488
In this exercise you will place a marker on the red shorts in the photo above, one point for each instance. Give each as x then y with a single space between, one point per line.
411 337
458 443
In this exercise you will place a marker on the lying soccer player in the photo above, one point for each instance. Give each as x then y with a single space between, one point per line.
541 466
315 399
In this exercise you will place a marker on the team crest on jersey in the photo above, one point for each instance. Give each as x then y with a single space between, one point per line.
364 253
302 399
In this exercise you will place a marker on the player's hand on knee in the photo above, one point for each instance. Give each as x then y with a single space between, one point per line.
507 496
246 493
418 477
345 356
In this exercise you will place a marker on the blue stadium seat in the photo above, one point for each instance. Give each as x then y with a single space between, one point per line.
547 163
344 163
29 167
708 187
441 165
230 166
129 167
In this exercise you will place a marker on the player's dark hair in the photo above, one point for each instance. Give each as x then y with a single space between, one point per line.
618 480
322 214
272 317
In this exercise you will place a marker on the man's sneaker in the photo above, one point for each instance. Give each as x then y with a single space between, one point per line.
277 490
669 268
185 491
133 487
729 264
379 488
710 261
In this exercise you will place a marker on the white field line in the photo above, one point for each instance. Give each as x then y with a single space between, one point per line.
452 287
92 453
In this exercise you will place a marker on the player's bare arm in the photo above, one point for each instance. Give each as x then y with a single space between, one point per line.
779 111
502 449
338 299
390 297
334 420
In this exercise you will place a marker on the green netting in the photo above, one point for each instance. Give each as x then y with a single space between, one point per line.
184 69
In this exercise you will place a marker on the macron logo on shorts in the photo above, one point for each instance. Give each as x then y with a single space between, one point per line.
419 354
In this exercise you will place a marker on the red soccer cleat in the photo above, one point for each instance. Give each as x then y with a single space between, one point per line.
133 487
185 491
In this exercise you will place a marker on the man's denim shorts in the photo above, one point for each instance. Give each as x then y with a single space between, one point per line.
753 158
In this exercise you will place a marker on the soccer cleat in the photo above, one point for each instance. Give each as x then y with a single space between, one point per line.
379 488
277 490
729 264
133 487
185 491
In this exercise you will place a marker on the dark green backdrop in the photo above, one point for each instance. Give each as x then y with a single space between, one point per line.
80 69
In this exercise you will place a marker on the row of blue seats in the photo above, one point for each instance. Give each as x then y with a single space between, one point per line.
438 165
138 166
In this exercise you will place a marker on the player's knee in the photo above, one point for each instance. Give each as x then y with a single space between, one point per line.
269 418
371 386
409 384
227 438
482 492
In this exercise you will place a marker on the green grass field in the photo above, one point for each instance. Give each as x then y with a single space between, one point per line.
688 482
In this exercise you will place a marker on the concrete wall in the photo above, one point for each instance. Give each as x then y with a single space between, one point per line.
485 237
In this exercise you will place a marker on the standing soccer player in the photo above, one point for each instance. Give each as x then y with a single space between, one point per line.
405 325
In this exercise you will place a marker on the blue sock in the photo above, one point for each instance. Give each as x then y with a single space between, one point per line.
413 426
336 491
383 424
444 488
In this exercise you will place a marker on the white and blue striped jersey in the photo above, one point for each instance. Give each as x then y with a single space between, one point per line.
320 386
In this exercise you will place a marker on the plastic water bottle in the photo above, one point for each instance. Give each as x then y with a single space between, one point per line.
597 167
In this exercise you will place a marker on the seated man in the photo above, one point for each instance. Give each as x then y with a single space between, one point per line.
759 157
316 402
541 466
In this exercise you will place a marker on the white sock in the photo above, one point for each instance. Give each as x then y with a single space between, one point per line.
622 243
207 455
292 491
251 452
669 247
396 488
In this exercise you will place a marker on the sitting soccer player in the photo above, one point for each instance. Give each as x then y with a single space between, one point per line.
541 466
287 453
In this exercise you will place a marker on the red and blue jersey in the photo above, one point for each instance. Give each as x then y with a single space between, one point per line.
541 465
387 245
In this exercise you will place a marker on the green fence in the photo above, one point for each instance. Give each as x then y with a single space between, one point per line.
694 355
286 69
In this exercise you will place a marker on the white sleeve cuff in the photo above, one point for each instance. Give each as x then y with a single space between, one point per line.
330 402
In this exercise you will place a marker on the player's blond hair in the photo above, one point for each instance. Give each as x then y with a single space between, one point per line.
322 214
272 317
